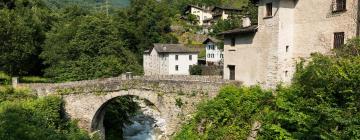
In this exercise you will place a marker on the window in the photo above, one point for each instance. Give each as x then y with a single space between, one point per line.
208 55
287 48
221 55
339 39
176 57
268 10
339 5
190 57
177 67
286 73
233 41
231 72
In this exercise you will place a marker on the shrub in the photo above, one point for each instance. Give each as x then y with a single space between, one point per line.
195 70
4 78
229 116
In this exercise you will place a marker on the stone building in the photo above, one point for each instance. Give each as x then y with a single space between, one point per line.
287 30
169 59
214 55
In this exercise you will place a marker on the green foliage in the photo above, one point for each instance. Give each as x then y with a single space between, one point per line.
118 112
195 70
22 30
34 79
178 102
229 116
223 25
202 53
351 48
321 103
86 48
26 117
4 78
8 93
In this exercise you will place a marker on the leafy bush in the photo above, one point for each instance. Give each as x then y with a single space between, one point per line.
4 78
26 117
195 70
322 103
229 116
351 48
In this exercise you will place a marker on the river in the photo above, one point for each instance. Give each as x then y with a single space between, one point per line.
146 125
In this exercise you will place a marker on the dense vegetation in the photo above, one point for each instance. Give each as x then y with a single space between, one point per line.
25 116
117 114
76 41
322 103
65 40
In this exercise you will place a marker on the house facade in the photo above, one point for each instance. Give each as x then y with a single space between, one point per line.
287 30
209 15
203 14
169 59
214 55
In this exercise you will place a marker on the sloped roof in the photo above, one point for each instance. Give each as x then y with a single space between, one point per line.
211 39
249 29
174 48
226 8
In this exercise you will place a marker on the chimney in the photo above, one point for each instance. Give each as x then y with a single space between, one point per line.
164 47
246 21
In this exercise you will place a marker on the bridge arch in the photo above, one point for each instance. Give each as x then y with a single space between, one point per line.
97 123
89 108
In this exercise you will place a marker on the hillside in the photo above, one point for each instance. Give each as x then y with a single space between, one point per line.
86 3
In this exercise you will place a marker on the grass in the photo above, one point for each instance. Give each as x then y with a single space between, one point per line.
34 79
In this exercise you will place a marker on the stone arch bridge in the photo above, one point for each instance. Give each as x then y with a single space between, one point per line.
85 100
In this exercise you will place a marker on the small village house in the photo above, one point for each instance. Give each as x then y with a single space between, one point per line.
287 30
169 59
214 55
202 13
209 15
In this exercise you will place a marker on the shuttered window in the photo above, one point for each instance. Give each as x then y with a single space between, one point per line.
339 39
339 5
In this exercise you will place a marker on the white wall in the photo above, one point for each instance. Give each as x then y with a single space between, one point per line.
306 26
183 62
216 52
202 14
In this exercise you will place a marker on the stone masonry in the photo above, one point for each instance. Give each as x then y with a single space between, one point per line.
85 100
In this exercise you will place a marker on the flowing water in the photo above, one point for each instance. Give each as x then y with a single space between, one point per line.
146 125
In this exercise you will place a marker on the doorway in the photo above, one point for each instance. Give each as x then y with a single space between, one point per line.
232 72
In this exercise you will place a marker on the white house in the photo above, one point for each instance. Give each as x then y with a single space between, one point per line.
287 30
214 55
169 59
209 15
202 13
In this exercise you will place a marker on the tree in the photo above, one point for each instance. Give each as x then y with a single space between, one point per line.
87 47
22 31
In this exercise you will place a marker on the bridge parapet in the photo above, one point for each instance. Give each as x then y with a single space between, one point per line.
164 84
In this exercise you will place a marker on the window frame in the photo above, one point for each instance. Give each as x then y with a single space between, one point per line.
176 67
176 57
339 39
190 57
338 6
233 41
268 10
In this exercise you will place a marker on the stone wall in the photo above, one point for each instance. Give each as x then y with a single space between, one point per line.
294 31
85 100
